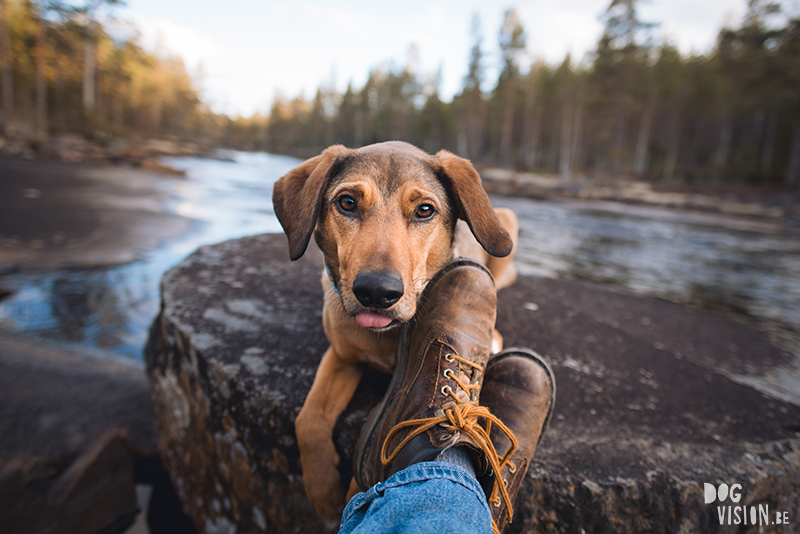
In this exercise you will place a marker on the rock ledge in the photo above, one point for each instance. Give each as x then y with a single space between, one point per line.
646 412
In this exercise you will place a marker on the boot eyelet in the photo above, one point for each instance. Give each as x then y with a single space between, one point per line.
449 357
448 374
445 437
505 482
512 468
496 503
445 390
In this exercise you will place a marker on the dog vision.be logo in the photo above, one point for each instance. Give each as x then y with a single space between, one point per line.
730 512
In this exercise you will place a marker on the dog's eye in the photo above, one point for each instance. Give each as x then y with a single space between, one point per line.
425 211
347 203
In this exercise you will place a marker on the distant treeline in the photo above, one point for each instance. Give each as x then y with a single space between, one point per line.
636 106
62 71
639 107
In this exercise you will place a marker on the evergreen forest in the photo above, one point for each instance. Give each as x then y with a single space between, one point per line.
635 106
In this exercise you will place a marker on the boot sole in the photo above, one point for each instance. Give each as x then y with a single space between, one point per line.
366 437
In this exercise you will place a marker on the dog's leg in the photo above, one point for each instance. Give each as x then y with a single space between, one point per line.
333 387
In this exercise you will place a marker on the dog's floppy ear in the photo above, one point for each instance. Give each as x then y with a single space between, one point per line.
474 205
297 195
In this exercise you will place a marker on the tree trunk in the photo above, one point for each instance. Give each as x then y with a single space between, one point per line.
475 122
5 62
565 167
119 109
768 149
724 146
575 150
90 61
89 67
156 113
620 149
41 83
793 171
527 122
60 118
508 121
751 141
461 141
643 141
359 133
673 143
532 150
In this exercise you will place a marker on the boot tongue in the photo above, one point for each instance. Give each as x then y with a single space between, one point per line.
463 396
372 320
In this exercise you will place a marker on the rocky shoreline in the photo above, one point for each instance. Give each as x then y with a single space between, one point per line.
142 154
778 204
744 200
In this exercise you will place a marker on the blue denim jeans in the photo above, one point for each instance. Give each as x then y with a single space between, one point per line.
424 498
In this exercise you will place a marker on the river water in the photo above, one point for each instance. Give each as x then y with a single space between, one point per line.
743 270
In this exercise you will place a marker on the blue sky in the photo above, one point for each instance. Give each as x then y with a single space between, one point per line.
250 49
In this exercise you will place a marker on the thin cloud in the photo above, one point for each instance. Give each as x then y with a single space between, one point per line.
193 46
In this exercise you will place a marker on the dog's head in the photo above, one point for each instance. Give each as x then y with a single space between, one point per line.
384 217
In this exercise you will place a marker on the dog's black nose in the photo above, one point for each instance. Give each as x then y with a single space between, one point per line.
378 289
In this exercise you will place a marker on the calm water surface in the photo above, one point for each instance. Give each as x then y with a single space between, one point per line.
749 272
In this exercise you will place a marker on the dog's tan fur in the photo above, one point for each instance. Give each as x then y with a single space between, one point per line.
389 183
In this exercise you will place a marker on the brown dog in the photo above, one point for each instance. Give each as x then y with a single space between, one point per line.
384 217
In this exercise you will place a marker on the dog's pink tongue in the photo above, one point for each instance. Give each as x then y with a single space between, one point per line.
372 320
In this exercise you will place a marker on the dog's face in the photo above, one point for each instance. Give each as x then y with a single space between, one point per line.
385 227
384 217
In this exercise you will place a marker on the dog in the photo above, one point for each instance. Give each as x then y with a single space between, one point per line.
386 217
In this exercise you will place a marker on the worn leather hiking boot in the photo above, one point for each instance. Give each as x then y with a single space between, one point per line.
432 400
520 390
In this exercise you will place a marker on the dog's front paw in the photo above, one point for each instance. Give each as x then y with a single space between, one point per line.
323 482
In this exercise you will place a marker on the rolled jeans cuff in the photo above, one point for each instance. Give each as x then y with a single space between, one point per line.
427 497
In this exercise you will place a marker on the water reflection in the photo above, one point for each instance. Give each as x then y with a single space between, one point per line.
94 307
710 263
112 308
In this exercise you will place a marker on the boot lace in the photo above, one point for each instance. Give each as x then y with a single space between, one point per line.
463 417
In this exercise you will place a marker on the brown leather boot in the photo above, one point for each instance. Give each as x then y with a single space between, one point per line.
432 400
520 390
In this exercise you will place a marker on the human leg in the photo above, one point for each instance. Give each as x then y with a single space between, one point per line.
428 497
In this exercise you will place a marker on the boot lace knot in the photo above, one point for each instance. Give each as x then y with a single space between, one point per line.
465 418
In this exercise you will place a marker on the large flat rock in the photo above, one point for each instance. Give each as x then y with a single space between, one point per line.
56 401
653 400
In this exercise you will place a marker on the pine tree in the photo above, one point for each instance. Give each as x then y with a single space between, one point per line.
512 44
